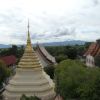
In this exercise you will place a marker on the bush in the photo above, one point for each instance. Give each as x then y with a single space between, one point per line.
75 81
24 97
97 60
4 72
50 71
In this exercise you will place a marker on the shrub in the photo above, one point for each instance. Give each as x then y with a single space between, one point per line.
4 72
24 97
97 60
50 71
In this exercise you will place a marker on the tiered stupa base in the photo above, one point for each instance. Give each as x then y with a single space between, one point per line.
31 83
30 79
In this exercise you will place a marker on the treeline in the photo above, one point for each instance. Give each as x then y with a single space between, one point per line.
14 50
70 52
59 52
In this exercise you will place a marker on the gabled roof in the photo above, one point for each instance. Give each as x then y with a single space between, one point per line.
8 60
46 54
93 50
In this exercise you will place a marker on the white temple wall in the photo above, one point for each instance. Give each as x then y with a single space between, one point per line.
90 61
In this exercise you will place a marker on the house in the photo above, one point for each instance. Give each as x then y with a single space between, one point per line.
91 53
10 61
46 58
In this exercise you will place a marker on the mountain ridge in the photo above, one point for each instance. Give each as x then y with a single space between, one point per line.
64 43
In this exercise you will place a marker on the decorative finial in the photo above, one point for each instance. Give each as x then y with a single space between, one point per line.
28 26
28 38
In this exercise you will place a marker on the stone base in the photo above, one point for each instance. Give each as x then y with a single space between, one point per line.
31 83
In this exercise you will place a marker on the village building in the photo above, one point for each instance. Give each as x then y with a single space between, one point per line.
91 53
10 61
30 78
46 58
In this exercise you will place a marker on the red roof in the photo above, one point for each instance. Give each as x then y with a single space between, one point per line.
8 60
93 50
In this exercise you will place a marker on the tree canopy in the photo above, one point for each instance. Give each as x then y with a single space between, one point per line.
75 81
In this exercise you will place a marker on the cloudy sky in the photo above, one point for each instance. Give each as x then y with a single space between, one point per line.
50 20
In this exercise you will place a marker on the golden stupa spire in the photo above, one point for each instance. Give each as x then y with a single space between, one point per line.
29 58
28 37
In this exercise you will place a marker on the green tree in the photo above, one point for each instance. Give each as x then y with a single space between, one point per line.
4 72
71 52
97 60
75 81
60 57
24 97
9 51
20 52
13 50
87 44
5 52
50 71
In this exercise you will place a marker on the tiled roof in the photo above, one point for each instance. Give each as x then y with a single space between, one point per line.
44 52
93 50
8 60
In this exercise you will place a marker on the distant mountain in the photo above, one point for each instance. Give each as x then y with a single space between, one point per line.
72 42
4 46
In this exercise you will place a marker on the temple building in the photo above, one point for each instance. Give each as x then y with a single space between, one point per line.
46 58
91 53
30 78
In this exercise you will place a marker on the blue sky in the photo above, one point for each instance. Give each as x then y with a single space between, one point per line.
50 20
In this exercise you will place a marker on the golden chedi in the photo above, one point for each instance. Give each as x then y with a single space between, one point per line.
30 78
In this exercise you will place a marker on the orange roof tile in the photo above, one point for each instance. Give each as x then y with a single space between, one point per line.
8 60
93 50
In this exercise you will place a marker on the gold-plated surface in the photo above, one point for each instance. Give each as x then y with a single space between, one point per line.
29 58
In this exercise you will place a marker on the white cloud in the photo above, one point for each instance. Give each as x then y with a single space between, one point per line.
50 20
